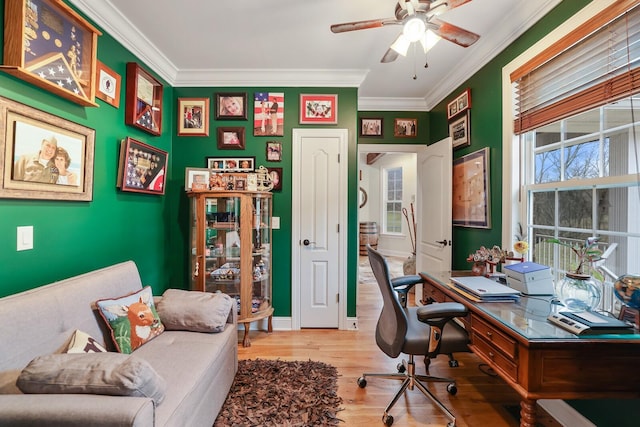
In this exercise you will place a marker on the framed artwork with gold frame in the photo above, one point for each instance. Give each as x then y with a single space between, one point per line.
48 44
43 156
143 101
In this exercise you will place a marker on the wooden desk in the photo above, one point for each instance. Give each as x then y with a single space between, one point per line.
538 359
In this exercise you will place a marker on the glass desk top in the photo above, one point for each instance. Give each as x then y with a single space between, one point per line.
528 316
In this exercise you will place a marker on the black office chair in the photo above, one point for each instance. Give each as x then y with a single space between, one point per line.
413 331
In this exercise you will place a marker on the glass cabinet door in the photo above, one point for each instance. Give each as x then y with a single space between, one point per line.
261 256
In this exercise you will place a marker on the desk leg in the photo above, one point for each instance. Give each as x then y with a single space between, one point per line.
528 413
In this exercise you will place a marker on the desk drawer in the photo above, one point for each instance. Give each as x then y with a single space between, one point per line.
498 360
497 339
432 294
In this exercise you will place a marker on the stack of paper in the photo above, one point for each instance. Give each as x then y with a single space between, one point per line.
482 289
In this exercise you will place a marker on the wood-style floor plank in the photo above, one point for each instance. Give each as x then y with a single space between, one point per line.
480 401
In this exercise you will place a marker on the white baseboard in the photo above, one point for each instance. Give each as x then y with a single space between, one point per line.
286 324
564 413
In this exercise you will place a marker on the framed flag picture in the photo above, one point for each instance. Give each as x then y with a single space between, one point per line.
268 115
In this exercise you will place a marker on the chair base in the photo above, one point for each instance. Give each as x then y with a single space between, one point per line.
409 381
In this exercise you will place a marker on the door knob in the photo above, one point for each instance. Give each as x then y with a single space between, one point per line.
442 242
306 242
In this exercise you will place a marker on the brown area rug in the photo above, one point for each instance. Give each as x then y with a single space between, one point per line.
279 393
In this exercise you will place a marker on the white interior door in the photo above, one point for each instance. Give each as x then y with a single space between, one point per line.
433 205
319 236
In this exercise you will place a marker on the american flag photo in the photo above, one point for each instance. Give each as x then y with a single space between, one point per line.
268 114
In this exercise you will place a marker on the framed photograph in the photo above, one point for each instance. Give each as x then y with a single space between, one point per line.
231 164
196 179
142 168
459 131
371 128
193 116
459 105
471 201
231 106
64 41
318 109
43 156
405 128
276 178
108 84
268 114
143 100
231 138
274 151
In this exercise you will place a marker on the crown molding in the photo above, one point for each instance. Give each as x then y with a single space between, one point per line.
270 77
392 104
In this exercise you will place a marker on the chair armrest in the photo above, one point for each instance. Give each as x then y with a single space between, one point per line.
406 282
440 313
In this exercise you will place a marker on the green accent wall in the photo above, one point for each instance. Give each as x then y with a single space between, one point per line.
192 152
75 237
486 128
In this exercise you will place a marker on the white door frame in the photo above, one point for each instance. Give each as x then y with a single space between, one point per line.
342 198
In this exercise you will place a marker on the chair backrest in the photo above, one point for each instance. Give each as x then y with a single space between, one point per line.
392 323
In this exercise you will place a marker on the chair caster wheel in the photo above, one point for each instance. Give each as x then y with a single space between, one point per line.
401 368
451 424
362 382
453 363
452 389
387 420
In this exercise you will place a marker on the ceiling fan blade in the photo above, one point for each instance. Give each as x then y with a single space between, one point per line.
362 25
453 33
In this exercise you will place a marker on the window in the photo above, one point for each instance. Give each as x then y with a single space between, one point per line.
575 108
392 222
580 181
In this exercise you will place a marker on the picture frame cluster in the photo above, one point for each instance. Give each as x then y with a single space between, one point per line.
459 116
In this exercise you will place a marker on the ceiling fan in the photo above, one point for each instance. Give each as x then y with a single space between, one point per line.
420 23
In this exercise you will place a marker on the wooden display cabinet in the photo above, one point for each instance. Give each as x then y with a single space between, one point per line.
231 250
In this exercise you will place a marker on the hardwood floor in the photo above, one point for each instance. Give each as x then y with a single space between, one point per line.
480 401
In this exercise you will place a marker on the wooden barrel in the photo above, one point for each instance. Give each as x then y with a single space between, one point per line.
368 236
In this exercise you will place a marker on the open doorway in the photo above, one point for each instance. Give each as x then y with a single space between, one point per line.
374 162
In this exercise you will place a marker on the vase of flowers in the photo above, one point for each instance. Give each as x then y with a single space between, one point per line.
579 291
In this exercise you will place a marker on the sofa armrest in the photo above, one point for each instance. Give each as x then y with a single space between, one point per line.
19 410
233 315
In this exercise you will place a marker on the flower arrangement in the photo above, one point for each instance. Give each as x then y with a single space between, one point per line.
587 252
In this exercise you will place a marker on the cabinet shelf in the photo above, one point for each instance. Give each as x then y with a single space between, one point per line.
240 243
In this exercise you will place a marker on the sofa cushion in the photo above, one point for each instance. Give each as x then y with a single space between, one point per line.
194 311
132 318
92 373
81 342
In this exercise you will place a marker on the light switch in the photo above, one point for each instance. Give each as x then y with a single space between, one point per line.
275 223
25 238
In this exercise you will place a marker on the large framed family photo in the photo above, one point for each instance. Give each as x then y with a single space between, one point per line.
44 156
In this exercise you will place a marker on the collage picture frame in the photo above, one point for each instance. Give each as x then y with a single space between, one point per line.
231 164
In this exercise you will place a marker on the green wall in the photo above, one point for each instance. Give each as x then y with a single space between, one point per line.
486 128
76 237
192 151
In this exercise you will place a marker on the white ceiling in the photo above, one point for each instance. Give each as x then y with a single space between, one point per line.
287 43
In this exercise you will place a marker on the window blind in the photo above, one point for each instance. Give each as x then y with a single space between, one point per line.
597 64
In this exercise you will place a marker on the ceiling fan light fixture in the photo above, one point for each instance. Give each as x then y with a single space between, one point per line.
429 40
414 29
401 45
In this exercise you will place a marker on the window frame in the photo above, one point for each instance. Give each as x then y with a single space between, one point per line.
385 200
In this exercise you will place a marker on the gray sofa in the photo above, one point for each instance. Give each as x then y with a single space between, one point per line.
198 368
